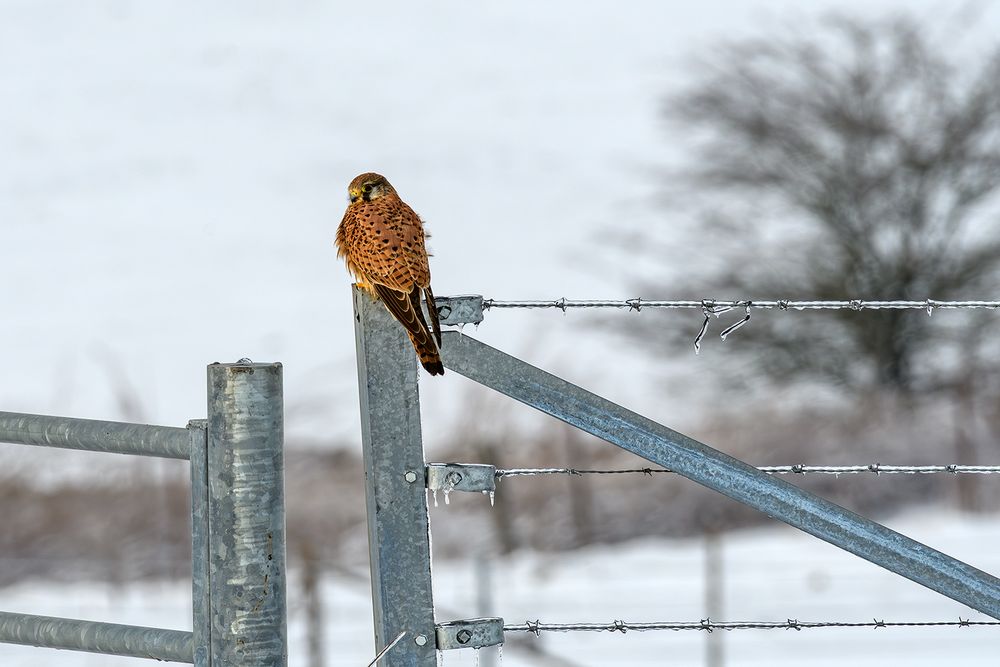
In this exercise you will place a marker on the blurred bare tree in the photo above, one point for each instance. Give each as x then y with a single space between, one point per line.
859 161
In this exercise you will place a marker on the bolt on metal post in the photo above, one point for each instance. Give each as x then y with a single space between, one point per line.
246 515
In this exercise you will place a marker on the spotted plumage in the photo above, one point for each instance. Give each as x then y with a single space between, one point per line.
382 241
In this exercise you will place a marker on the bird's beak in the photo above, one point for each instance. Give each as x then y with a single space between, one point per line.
354 194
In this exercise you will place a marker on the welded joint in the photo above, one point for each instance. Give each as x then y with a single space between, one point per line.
473 477
469 633
467 309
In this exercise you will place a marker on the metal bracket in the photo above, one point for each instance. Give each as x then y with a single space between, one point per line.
470 633
461 477
460 309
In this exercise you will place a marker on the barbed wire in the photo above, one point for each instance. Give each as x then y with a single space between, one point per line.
638 303
715 307
708 625
872 468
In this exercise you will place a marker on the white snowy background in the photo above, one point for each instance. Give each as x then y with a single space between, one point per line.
171 176
771 574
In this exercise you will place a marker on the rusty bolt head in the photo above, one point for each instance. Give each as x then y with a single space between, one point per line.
454 478
463 636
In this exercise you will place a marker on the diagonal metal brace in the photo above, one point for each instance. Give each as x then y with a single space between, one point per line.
469 633
461 477
723 473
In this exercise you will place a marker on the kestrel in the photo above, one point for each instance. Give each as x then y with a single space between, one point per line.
382 241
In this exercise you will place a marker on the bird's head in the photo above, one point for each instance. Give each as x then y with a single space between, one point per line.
367 187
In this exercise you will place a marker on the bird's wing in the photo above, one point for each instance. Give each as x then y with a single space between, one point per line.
388 250
405 307
341 240
432 309
388 245
413 248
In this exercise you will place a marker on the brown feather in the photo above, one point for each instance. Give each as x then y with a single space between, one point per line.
432 309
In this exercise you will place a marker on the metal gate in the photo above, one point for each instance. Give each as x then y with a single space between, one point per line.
397 476
237 520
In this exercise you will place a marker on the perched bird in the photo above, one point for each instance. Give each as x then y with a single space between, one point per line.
382 241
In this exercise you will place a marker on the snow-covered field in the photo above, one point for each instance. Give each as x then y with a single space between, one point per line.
770 575
171 176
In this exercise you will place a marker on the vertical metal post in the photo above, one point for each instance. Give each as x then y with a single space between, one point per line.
312 595
201 604
399 544
483 583
714 596
246 515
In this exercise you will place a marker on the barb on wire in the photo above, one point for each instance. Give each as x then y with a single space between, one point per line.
708 625
798 469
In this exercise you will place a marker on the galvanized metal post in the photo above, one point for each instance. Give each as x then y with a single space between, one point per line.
714 573
245 470
200 591
399 544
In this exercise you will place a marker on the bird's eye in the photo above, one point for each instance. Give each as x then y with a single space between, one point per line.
366 188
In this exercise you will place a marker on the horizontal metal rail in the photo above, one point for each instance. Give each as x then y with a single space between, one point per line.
723 473
94 637
96 436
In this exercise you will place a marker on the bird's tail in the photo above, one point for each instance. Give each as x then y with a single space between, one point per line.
428 354
405 307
